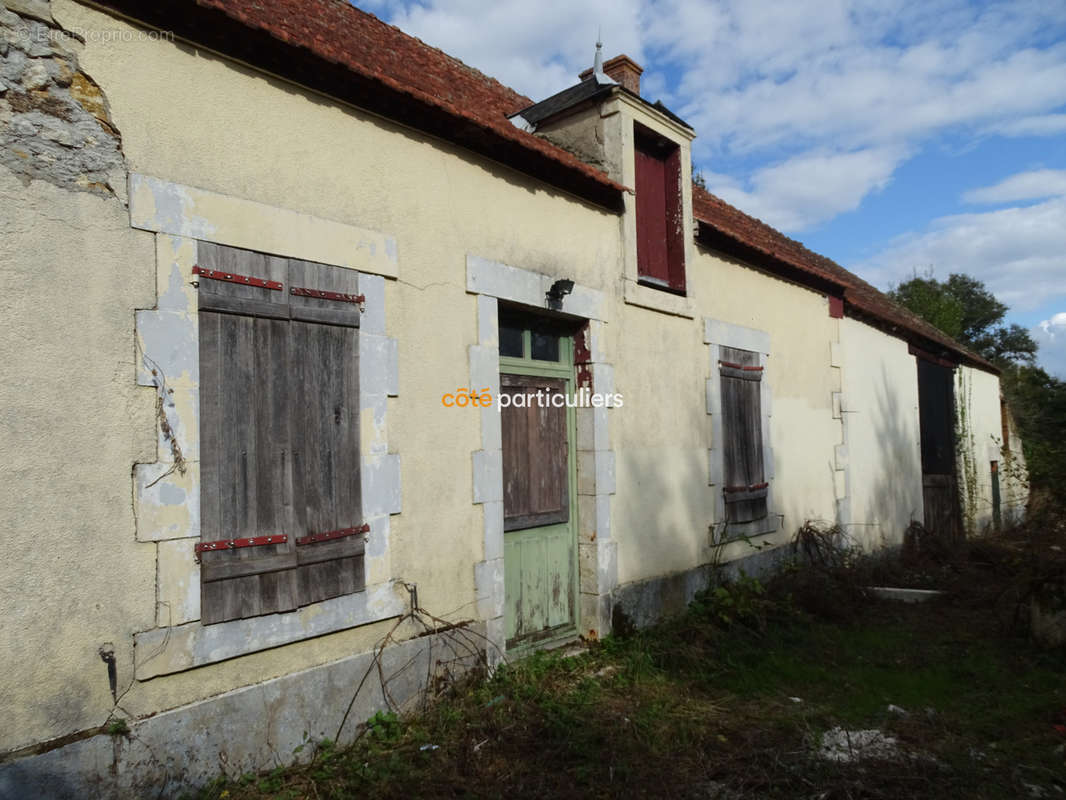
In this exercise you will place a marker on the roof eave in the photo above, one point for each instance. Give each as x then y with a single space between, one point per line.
717 238
954 352
259 48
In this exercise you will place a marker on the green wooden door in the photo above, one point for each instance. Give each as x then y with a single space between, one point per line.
540 553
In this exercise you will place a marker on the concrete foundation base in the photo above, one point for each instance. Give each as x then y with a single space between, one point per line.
643 603
248 730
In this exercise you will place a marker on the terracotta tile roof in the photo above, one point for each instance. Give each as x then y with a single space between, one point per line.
341 33
859 295
338 34
281 33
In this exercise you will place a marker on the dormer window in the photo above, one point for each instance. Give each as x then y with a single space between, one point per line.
660 214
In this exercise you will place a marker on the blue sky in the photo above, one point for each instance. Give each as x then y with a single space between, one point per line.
892 136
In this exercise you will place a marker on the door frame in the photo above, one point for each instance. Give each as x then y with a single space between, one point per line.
492 284
564 369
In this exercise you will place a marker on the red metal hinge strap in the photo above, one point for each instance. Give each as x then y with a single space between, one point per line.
233 544
751 488
731 365
233 277
327 535
340 297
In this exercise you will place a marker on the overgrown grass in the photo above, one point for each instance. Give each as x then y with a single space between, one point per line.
730 701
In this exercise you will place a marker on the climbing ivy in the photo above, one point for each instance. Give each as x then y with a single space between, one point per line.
966 448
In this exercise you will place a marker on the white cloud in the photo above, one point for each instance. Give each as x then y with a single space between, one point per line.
1039 125
1051 336
808 189
1056 326
537 48
836 83
1035 185
1019 253
770 74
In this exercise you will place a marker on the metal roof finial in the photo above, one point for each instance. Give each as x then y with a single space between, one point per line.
598 74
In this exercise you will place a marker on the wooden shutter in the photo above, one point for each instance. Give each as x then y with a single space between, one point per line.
745 488
536 487
279 425
652 260
660 212
326 487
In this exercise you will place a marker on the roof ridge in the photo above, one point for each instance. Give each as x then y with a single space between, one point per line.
518 96
858 291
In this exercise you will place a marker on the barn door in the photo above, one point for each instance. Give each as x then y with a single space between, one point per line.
540 573
936 420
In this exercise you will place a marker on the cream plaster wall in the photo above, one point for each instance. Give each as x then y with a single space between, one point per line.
73 421
979 442
880 404
664 507
194 119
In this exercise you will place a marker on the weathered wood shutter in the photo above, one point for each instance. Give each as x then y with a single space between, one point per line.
660 212
745 488
279 433
652 261
536 490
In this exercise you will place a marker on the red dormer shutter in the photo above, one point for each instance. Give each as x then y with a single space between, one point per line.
652 262
660 213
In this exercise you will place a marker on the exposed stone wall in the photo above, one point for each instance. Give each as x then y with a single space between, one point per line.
54 120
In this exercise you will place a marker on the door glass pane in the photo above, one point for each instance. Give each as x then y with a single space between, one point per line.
545 346
510 340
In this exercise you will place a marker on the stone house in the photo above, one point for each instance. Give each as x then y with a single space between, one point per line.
310 323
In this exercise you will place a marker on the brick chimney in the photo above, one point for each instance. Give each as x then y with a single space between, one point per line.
622 69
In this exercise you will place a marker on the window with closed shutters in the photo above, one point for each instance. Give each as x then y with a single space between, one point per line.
280 506
745 485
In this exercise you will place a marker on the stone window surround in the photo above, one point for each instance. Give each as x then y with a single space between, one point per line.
597 551
633 291
718 334
166 499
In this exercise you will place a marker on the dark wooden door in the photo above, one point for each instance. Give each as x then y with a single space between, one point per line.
936 419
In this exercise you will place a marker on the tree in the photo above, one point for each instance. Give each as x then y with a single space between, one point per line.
932 301
965 310
697 176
